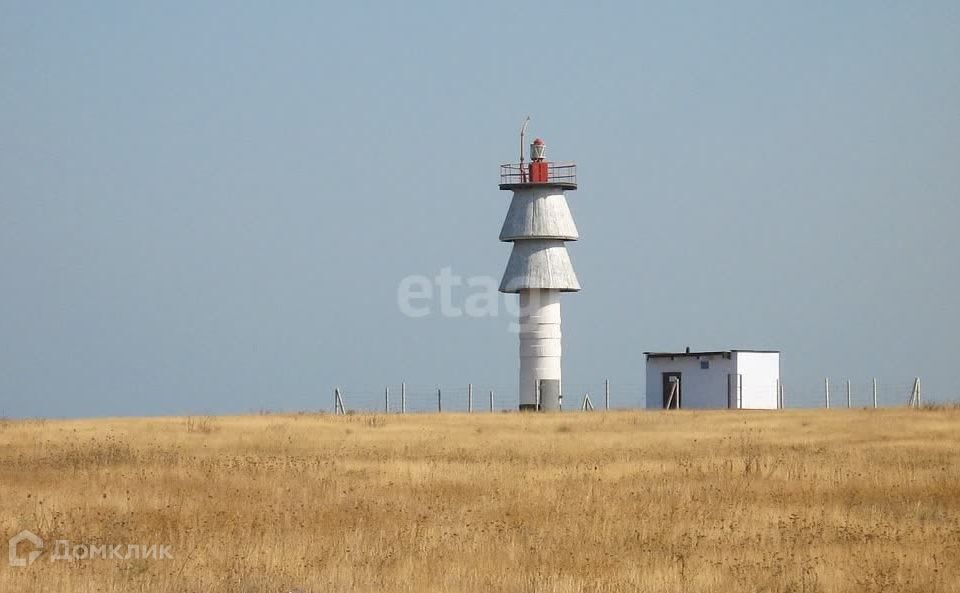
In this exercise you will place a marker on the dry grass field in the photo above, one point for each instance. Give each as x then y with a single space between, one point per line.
797 501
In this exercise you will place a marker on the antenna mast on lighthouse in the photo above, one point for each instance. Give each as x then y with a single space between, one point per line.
538 224
523 130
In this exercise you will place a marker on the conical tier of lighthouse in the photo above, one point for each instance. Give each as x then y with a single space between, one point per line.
538 224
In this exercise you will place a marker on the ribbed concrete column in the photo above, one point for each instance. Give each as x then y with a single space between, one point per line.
540 348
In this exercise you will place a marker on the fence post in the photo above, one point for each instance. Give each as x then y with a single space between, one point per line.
915 394
470 397
874 393
439 401
386 400
779 403
491 400
403 398
606 394
826 389
849 398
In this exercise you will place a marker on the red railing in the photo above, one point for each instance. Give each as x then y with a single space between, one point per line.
559 173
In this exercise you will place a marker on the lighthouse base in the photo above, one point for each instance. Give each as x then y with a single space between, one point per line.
540 350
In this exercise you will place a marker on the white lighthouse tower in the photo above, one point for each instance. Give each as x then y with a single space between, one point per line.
538 223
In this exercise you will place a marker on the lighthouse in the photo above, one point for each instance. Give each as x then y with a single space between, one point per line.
538 224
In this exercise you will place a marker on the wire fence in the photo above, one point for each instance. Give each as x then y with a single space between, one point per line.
851 393
398 398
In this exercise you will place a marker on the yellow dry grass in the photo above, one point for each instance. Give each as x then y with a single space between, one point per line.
797 501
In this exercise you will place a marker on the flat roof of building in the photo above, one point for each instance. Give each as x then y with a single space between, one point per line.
705 353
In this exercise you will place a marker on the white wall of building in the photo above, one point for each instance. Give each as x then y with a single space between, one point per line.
759 373
700 388
713 387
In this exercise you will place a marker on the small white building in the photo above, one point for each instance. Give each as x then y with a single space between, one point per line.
735 379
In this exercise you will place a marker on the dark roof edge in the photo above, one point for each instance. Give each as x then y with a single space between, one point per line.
706 353
757 351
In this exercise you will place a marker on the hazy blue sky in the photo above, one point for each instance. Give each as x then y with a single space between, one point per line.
209 208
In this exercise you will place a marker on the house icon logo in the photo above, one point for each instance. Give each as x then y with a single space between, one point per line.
18 561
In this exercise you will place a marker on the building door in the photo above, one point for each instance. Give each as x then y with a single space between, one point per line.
671 391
